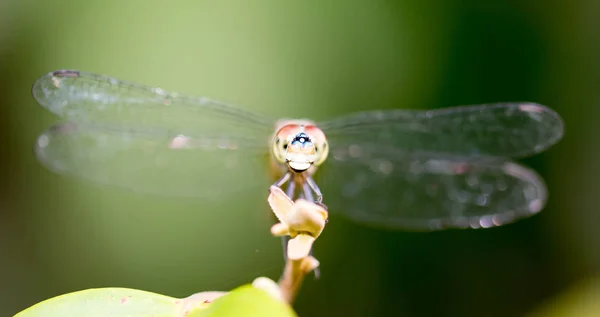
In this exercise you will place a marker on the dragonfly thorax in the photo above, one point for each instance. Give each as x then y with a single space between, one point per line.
300 146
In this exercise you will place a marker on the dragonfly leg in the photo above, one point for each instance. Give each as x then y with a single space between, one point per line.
307 194
290 190
283 179
315 188
306 191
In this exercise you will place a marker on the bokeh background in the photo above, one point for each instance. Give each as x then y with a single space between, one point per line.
321 59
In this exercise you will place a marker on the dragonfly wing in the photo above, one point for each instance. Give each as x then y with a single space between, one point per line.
396 189
87 97
502 129
154 161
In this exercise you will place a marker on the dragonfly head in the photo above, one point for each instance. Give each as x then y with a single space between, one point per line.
300 146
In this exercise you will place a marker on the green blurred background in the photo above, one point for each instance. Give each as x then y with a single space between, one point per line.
290 58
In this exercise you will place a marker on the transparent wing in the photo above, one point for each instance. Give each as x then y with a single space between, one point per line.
147 139
86 97
502 129
396 189
154 161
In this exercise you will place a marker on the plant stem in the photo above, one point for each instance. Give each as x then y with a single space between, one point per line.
293 276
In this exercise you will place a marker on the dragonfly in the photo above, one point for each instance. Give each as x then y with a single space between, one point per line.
400 169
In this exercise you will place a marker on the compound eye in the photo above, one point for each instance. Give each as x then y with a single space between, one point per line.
279 150
322 152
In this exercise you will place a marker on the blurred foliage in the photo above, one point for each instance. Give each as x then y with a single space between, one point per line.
317 59
580 299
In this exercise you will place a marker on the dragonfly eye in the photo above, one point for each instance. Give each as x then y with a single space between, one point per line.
322 151
294 147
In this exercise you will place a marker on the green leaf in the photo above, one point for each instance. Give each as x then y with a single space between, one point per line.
246 301
101 302
124 302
